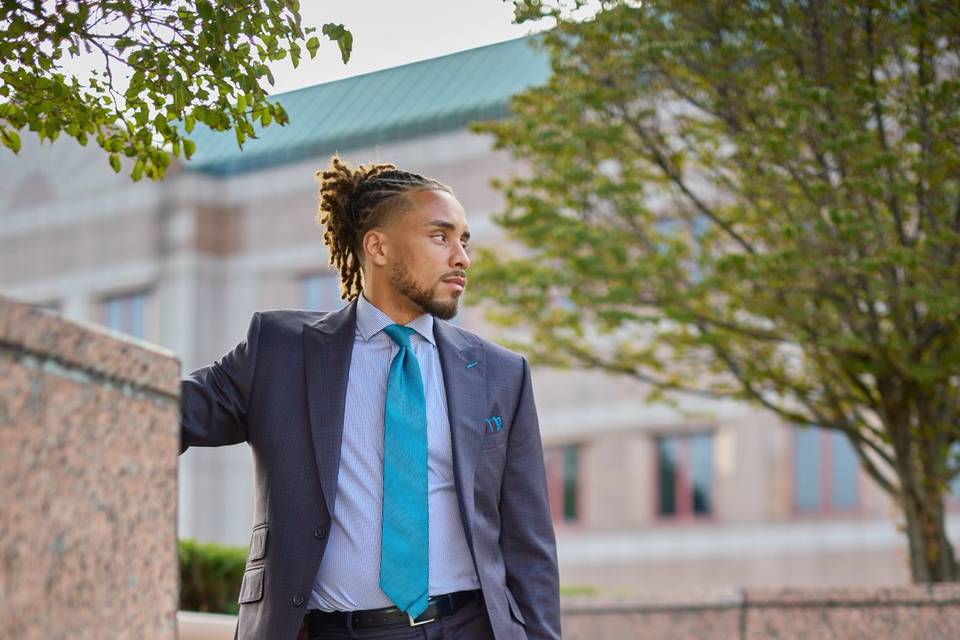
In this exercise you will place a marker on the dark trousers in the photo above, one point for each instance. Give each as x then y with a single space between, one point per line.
469 622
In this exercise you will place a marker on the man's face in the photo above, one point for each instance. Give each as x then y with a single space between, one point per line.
428 261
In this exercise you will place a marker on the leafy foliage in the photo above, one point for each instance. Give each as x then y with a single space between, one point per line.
753 200
210 576
189 61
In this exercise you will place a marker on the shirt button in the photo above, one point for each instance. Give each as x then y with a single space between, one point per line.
297 599
320 533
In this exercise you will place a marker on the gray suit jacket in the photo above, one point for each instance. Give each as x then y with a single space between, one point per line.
282 390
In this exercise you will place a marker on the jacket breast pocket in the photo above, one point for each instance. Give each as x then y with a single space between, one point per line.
491 439
251 589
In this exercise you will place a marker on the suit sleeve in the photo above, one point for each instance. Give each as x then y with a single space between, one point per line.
527 539
214 398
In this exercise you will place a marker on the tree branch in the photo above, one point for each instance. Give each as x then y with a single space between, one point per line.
675 178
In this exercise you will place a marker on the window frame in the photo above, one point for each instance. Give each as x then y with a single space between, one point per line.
126 296
555 463
685 512
825 452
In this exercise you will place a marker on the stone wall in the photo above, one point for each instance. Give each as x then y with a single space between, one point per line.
89 436
896 613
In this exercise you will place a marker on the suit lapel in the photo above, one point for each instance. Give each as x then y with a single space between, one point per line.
466 391
327 349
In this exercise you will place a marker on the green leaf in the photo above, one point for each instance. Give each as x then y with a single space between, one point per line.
312 45
115 162
346 46
333 31
189 147
204 9
342 36
11 139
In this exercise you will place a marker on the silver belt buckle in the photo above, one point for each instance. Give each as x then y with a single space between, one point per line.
414 623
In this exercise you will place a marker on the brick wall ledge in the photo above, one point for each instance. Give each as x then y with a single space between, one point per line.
86 350
892 613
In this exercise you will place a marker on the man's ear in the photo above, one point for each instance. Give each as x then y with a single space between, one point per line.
375 246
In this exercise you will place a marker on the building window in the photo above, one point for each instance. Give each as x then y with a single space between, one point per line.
321 291
685 475
126 313
825 471
563 471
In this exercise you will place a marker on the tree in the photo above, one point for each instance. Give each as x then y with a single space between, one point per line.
189 61
753 200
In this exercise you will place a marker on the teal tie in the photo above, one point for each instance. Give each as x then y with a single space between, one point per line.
404 550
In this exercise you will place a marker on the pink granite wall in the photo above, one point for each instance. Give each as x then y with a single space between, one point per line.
896 613
88 470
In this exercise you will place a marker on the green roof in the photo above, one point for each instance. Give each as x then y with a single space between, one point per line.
411 100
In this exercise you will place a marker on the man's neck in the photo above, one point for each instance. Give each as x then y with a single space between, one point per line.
401 314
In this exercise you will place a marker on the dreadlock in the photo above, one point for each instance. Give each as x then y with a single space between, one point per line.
355 200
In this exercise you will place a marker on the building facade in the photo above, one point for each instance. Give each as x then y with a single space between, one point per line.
644 497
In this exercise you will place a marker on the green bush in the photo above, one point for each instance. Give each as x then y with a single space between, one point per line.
210 576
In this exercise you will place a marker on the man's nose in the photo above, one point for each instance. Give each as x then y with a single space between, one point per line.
460 258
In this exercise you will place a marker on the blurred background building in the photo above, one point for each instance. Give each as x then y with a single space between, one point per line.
643 496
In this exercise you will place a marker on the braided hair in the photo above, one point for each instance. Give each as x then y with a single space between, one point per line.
355 200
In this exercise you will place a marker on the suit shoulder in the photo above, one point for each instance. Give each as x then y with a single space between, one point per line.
288 320
496 350
502 352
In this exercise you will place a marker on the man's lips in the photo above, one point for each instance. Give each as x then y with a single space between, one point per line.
460 282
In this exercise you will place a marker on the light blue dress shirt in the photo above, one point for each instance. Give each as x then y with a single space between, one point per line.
349 575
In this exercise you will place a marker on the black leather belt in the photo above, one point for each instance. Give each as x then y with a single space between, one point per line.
437 607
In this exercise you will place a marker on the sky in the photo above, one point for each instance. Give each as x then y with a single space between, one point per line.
390 33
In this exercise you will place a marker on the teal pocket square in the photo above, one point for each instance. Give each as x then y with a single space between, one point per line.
494 425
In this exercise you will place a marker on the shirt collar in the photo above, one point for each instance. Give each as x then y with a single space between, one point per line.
371 321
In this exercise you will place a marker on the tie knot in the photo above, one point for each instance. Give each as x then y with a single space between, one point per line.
399 334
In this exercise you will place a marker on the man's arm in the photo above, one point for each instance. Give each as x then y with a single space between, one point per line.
214 399
526 528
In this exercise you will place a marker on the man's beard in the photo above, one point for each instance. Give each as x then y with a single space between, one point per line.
404 284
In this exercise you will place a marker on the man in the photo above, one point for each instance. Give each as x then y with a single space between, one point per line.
400 488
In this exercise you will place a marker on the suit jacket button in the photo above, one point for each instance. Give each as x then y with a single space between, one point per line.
320 533
298 599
